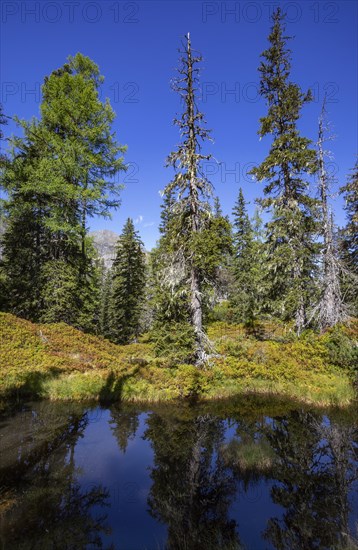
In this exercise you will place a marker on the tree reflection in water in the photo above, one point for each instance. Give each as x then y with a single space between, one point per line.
124 424
313 470
48 507
204 460
192 488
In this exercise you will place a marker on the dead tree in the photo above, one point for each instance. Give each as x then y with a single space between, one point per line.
190 182
331 309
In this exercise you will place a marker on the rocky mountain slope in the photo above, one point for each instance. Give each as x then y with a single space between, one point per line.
105 241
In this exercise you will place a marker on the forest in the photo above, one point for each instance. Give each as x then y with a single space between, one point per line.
224 303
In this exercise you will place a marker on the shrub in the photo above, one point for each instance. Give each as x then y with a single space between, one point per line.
342 350
175 343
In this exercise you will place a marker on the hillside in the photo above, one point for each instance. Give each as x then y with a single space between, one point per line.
59 362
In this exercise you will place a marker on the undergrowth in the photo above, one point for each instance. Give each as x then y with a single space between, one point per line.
56 361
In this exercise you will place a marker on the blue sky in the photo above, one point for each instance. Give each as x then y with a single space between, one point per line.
135 45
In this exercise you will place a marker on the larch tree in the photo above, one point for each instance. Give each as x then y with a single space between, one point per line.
291 249
128 286
60 174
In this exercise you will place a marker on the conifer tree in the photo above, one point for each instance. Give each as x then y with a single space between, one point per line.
128 285
247 263
350 191
218 213
105 321
3 121
242 226
330 309
350 240
60 173
194 242
167 210
291 250
193 189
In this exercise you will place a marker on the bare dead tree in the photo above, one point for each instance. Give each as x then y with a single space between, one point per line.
190 181
331 308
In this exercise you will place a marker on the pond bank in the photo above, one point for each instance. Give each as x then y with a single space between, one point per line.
58 362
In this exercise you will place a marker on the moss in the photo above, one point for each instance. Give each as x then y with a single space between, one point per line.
59 362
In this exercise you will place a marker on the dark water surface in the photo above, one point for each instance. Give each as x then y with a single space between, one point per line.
249 473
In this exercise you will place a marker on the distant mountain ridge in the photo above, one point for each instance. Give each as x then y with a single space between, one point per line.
105 242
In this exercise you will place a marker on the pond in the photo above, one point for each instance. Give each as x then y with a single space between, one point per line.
248 473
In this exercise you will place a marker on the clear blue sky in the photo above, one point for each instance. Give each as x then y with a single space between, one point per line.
135 45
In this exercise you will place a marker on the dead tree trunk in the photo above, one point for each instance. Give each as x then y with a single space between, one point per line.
195 301
330 308
190 183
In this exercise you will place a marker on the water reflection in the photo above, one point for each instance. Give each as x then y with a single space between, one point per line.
192 488
43 505
200 473
313 470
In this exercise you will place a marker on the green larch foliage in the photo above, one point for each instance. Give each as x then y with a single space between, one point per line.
60 173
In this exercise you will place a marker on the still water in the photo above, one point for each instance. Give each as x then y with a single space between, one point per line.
244 474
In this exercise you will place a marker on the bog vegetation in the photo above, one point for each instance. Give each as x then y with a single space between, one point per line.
221 305
57 361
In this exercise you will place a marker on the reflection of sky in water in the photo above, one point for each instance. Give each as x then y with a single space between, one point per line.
126 475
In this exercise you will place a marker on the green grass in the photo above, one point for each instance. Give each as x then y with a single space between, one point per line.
253 456
59 362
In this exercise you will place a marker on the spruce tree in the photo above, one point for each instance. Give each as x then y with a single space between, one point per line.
105 322
128 286
242 226
167 210
349 240
291 250
247 263
193 240
350 191
192 187
218 213
60 174
3 122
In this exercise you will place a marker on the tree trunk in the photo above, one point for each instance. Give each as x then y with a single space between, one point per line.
195 302
331 307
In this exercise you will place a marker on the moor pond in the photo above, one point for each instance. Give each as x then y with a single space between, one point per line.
250 473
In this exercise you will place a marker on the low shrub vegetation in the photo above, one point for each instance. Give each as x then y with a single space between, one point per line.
56 361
